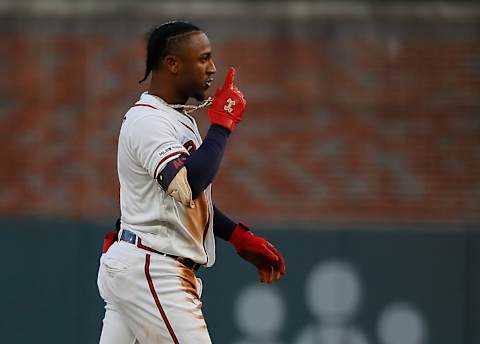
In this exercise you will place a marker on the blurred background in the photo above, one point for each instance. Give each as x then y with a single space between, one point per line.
359 157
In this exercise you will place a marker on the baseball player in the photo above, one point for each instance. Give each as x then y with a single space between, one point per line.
168 219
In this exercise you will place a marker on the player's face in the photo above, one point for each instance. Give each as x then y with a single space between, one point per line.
196 67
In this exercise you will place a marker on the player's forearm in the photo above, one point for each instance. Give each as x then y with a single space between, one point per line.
203 164
223 226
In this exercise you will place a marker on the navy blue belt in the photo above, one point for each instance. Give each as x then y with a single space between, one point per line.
132 238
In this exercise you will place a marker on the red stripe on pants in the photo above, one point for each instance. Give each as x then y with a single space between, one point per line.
157 301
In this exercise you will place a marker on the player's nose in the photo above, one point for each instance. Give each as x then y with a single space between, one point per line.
211 68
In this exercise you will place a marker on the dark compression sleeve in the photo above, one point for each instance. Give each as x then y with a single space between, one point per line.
222 225
202 165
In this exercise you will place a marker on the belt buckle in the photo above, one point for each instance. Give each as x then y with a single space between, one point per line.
129 237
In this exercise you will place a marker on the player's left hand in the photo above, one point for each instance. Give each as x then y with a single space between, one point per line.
258 251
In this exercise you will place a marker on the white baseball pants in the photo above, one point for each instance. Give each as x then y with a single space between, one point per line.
150 299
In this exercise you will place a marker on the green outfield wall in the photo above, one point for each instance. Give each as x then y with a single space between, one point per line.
364 283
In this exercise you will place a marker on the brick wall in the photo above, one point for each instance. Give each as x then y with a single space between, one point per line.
348 120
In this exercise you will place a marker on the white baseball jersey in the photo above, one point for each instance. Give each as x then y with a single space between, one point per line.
152 135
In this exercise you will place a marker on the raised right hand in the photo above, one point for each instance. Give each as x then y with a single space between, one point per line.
228 105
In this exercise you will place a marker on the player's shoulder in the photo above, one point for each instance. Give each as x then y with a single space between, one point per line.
142 116
147 111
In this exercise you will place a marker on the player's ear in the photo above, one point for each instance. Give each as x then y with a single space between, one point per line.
172 63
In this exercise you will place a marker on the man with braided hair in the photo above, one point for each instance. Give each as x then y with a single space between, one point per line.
168 220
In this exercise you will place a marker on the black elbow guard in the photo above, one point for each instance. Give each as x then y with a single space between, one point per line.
169 172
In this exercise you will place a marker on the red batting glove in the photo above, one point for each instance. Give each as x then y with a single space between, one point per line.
258 251
228 105
108 241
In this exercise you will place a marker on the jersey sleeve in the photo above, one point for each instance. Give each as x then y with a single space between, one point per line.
154 142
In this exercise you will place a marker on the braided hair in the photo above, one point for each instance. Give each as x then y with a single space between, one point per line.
161 40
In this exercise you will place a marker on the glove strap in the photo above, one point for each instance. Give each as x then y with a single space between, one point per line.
222 120
239 234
